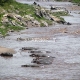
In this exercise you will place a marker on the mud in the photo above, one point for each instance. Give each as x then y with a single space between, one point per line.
60 41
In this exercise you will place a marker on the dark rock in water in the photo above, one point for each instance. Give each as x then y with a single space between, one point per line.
35 52
20 39
48 52
62 22
6 55
68 23
30 66
43 60
53 8
35 3
38 5
28 48
37 55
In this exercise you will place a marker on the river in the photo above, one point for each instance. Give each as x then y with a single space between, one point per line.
63 41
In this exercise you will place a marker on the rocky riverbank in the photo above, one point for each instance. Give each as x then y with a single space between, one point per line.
17 16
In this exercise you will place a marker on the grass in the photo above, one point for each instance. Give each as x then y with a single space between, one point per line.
58 14
21 9
74 1
61 13
5 30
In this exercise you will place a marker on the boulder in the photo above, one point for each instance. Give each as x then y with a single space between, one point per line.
48 52
5 20
35 51
54 18
45 24
20 39
30 65
68 23
29 23
38 13
53 8
35 3
28 17
13 22
61 22
37 55
43 60
10 15
28 48
35 23
6 52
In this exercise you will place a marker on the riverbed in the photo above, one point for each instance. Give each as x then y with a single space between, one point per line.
62 41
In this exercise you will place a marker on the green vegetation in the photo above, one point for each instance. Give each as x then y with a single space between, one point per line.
5 30
74 1
77 1
10 6
61 13
3 2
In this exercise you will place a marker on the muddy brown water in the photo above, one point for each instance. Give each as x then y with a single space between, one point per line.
63 41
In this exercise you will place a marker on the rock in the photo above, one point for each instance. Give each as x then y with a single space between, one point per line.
20 39
35 23
30 66
11 30
68 23
38 13
43 60
28 17
24 23
6 52
48 52
5 20
13 23
53 8
54 18
45 24
12 19
41 12
10 15
28 48
35 52
37 55
61 22
35 3
29 23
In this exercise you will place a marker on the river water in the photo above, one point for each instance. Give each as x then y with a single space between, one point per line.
63 41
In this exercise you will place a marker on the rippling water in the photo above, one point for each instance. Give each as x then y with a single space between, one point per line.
64 46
